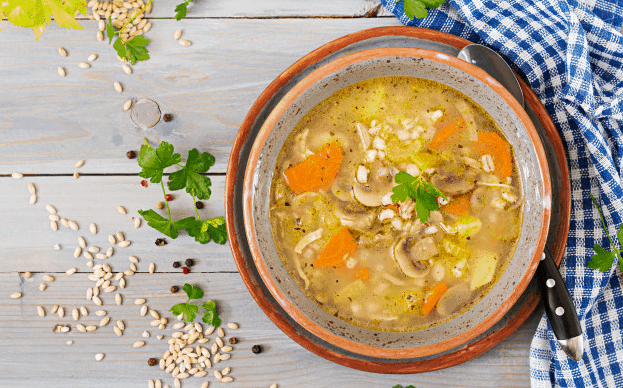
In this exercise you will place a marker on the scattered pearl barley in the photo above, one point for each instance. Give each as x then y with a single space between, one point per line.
126 68
99 356
119 89
121 209
184 42
177 35
62 52
93 57
126 106
84 65
61 71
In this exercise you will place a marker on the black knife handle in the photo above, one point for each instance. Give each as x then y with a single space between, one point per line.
556 299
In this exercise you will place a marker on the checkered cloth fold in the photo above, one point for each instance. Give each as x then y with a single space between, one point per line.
571 54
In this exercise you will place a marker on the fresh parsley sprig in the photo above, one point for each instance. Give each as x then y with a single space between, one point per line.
423 193
132 50
189 310
153 161
602 259
400 386
38 14
181 10
419 8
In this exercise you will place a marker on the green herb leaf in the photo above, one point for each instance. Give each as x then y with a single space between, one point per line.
418 8
210 316
39 14
136 49
211 229
602 260
423 193
620 236
110 30
159 223
188 309
192 291
180 11
189 177
154 161
120 48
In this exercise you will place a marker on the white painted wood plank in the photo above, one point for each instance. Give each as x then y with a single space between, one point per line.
47 123
26 239
35 357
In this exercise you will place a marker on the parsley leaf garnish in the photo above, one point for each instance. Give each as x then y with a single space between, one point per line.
602 259
189 176
181 10
132 50
153 162
189 310
423 193
419 8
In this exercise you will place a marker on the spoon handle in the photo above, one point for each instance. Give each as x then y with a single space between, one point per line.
559 307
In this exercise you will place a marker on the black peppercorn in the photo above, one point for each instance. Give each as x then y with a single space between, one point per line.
176 264
233 340
257 349
189 262
152 361
199 205
160 242
131 154
167 117
174 289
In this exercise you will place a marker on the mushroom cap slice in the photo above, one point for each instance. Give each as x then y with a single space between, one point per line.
453 299
404 256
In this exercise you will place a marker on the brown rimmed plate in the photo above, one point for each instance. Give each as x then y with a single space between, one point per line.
383 37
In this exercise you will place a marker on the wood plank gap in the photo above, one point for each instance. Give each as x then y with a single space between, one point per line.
103 174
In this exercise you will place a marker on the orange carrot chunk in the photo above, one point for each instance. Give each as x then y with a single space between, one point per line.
491 143
339 247
316 171
458 206
443 135
438 291
363 273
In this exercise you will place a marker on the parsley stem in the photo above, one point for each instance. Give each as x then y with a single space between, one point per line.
603 223
195 202
134 17
165 199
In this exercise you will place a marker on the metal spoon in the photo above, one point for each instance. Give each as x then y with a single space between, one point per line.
491 62
558 304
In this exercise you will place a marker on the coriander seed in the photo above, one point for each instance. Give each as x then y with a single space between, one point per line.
152 361
131 154
167 117
176 264
256 349
233 340
175 289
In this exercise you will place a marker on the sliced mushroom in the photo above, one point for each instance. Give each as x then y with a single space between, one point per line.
410 256
453 299
354 216
451 183
372 193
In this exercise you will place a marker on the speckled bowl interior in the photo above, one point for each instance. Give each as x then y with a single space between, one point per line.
413 63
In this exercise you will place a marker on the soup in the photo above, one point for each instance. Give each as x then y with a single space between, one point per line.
396 203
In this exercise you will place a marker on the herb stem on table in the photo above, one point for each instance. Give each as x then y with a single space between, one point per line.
602 259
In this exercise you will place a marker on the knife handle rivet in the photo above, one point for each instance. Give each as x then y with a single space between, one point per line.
550 283
560 311
542 256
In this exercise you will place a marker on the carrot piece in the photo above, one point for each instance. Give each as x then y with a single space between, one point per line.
363 274
438 291
491 143
444 134
337 249
458 206
316 171
393 207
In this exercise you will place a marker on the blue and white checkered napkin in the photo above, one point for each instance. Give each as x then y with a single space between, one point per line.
571 54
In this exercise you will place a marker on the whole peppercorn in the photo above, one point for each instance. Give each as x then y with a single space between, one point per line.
189 262
185 270
167 117
233 340
131 154
199 205
152 361
256 349
176 264
175 289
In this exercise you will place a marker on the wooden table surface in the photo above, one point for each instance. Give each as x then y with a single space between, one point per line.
48 123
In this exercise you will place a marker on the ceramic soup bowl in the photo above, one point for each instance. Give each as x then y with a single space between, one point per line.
385 62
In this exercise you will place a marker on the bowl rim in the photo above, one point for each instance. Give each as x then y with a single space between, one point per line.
256 150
